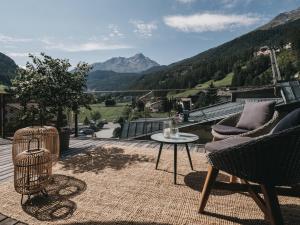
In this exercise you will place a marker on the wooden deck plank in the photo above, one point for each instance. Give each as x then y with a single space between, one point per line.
8 221
2 217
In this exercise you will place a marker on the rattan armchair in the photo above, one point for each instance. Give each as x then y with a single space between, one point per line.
233 120
272 160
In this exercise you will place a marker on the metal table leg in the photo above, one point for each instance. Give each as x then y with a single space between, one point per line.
175 163
159 153
188 153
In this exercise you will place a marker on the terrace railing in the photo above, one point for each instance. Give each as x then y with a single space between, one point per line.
134 129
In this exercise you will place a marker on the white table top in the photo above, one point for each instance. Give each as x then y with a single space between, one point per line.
182 138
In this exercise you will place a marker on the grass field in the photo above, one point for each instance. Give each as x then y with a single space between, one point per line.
2 88
108 113
226 81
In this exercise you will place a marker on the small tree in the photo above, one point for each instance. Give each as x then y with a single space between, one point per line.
110 102
48 82
95 115
140 106
117 132
212 94
86 121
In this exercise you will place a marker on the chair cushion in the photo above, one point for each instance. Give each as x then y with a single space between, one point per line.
256 114
226 143
228 130
290 120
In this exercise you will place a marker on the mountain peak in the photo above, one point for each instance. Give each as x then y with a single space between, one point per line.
135 64
282 18
140 55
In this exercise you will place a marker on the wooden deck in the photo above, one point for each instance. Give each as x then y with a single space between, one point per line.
77 145
4 220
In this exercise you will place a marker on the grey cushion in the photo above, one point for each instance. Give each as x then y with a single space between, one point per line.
256 114
290 120
226 143
228 130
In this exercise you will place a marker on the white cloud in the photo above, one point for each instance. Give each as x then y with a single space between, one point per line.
203 22
144 29
18 54
8 39
114 31
87 46
185 1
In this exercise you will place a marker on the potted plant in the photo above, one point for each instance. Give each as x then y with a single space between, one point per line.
49 84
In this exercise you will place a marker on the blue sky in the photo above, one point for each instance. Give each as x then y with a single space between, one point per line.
96 30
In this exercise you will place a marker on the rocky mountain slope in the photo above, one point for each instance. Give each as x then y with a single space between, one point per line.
282 18
135 64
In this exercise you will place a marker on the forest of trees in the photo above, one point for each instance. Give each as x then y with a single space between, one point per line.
253 73
215 63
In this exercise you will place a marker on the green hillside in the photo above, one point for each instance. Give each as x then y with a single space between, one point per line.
256 71
109 80
217 62
226 81
7 69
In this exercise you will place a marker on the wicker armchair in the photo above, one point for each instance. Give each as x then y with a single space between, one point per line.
233 120
271 160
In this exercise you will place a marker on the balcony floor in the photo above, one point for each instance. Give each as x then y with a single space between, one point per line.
114 182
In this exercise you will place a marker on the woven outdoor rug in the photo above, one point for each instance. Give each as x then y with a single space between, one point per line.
117 185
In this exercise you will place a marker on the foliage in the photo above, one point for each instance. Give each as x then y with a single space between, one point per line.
201 101
212 95
219 75
209 97
7 69
109 80
135 114
220 60
95 115
120 120
86 121
117 132
47 82
126 112
110 102
295 40
140 105
226 81
245 75
167 104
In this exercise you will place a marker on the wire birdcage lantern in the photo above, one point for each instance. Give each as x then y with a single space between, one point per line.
48 139
32 169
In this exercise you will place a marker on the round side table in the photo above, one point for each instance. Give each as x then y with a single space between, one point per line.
182 138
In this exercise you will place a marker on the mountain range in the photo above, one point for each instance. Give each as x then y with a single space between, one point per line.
135 64
119 73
